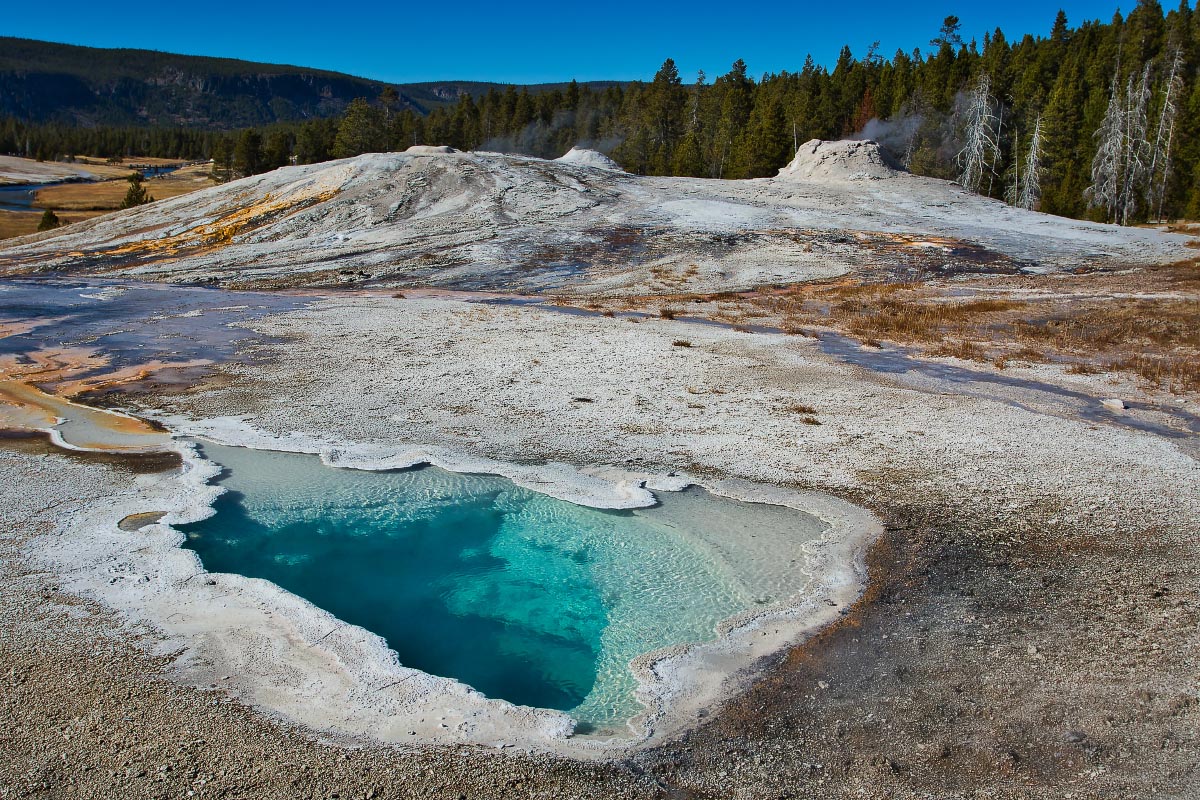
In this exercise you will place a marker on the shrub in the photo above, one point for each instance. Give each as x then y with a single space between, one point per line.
49 221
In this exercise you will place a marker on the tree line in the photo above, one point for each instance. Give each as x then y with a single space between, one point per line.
1100 120
57 142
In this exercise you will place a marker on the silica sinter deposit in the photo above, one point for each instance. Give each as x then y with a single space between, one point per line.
522 596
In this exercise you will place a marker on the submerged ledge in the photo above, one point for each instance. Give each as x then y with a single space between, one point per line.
281 653
599 488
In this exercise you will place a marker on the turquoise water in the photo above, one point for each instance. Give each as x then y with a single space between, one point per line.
524 597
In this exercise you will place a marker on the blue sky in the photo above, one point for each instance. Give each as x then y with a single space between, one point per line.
531 42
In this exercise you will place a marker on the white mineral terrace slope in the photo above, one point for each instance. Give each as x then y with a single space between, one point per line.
490 221
14 170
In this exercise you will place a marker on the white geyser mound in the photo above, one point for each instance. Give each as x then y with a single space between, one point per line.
820 161
583 157
429 149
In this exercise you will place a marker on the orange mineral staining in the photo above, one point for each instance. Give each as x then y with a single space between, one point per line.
26 407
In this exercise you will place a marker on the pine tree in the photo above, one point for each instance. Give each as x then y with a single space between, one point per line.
1060 32
766 142
689 161
49 221
1191 124
314 141
950 34
278 150
388 98
1064 170
735 93
222 156
136 195
361 131
663 116
247 153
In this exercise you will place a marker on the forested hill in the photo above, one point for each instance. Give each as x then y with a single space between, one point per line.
73 85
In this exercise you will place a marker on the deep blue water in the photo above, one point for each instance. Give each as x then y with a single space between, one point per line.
521 596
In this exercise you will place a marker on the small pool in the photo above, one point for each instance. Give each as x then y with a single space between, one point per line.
524 597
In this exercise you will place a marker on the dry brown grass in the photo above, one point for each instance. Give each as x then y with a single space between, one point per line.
1137 323
1176 374
1029 354
20 223
107 195
92 162
1156 338
915 321
1085 323
50 171
966 350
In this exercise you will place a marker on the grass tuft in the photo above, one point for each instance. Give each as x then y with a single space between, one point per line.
1084 369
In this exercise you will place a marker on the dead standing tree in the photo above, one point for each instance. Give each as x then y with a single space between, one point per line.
982 147
1121 165
1137 148
1160 159
1107 164
1026 189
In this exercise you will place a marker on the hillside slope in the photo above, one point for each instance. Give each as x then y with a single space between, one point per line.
47 81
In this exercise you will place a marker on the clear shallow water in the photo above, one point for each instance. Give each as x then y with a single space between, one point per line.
133 323
20 197
521 596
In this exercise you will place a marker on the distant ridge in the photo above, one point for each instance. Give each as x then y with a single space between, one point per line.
71 84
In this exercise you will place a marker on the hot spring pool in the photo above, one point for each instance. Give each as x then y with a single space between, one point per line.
524 597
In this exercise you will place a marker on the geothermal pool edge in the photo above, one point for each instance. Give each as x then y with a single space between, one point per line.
284 655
